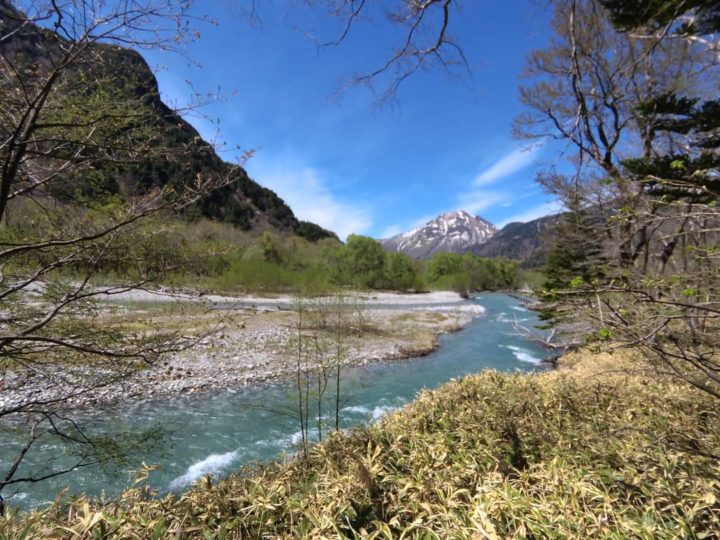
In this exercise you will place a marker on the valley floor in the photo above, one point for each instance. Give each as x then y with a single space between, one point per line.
247 340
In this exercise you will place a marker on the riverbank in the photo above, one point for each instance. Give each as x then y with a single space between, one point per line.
601 447
246 340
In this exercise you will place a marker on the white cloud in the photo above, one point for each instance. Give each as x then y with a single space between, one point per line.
308 195
510 163
479 197
544 209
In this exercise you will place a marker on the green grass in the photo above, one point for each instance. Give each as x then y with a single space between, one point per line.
580 453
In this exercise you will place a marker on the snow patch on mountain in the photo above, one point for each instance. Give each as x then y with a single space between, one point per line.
451 231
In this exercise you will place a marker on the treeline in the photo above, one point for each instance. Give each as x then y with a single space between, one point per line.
218 256
362 263
274 263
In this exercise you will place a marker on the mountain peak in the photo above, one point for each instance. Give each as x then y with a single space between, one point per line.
452 231
454 214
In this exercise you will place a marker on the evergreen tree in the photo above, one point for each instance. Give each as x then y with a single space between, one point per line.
689 17
637 256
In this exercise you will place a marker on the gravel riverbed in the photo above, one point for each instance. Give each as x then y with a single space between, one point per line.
254 342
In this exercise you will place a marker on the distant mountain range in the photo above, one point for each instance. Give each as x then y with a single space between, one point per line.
451 231
461 232
523 242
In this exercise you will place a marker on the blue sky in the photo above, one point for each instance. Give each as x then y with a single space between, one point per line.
345 162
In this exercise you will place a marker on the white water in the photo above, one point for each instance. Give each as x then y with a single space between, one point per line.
375 412
212 464
523 355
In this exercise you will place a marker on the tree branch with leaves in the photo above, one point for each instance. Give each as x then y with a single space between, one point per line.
82 135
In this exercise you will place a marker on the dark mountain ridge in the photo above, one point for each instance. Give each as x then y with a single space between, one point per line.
107 75
525 242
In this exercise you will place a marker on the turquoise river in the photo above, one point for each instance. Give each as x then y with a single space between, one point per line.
215 433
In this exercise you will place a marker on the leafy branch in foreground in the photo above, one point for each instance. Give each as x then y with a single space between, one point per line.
79 122
637 257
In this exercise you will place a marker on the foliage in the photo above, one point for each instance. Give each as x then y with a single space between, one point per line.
466 273
584 452
585 85
75 141
312 232
658 14
216 256
530 279
401 273
679 222
98 84
636 261
364 261
443 264
575 257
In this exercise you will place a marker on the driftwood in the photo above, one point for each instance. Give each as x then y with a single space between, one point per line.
549 342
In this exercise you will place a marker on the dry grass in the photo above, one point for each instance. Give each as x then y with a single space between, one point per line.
587 451
156 317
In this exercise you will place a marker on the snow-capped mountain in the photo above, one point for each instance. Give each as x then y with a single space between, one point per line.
453 231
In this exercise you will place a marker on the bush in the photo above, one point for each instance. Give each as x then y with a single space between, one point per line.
467 273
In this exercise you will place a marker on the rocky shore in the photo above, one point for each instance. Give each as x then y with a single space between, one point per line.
253 341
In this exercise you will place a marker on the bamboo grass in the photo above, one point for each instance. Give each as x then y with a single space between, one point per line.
592 450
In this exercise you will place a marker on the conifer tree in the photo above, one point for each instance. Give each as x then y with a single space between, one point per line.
652 280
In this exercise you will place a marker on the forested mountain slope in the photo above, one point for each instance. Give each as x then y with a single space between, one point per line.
525 242
116 88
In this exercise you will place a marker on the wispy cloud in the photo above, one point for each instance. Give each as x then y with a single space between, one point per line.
512 162
398 228
306 191
485 192
477 201
544 209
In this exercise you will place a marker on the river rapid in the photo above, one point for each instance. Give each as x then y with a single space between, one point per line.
217 432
